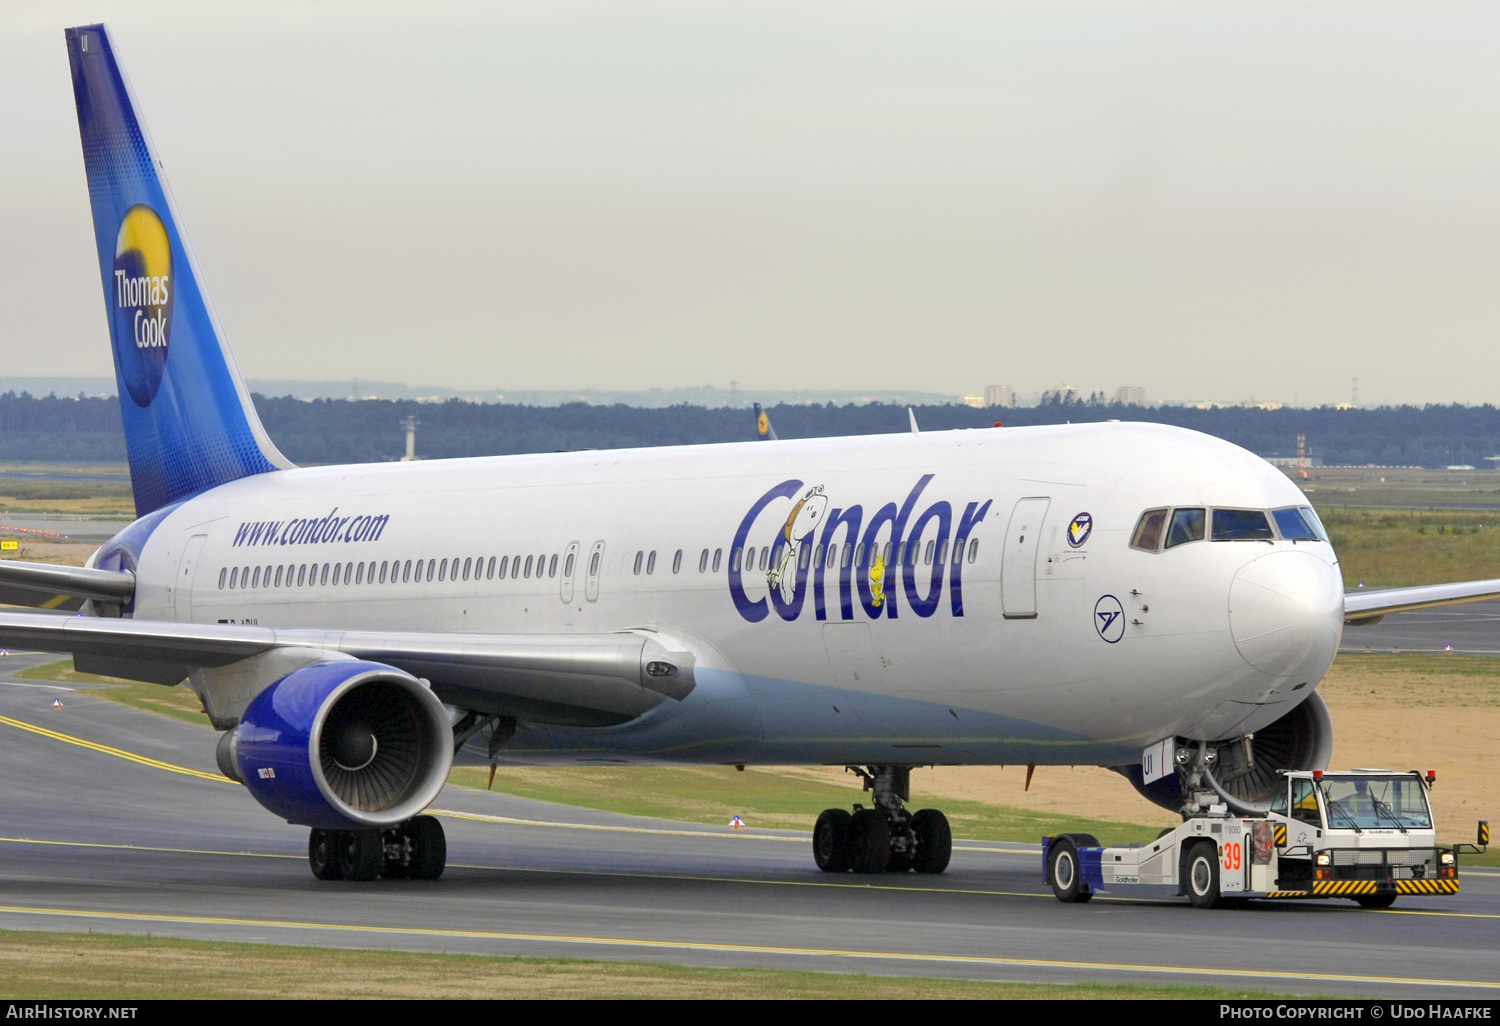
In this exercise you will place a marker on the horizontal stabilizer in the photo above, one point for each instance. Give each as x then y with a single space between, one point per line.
1366 607
621 675
49 586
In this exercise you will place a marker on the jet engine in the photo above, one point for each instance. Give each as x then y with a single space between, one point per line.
342 745
1244 770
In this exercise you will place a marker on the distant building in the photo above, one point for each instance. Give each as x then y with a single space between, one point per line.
976 401
999 395
1130 395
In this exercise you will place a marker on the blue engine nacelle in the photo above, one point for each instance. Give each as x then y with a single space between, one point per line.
342 745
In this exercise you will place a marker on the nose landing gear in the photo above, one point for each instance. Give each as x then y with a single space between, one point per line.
887 838
414 850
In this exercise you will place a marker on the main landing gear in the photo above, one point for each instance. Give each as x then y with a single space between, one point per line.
887 838
415 850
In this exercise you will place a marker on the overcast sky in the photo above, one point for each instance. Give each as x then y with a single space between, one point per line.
1213 200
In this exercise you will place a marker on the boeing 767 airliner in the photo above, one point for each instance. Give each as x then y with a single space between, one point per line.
1126 595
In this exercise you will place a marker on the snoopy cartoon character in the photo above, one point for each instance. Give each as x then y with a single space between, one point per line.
799 529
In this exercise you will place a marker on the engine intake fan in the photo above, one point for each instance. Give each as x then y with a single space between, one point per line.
344 744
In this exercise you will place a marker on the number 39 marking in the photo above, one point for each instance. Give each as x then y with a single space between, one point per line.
1232 854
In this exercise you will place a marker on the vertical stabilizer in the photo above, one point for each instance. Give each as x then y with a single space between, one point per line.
189 422
763 430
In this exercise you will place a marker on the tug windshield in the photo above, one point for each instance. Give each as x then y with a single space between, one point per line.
1376 803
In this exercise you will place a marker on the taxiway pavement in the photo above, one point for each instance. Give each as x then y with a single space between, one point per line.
116 820
1473 629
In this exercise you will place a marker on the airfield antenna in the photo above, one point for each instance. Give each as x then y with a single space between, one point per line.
1302 460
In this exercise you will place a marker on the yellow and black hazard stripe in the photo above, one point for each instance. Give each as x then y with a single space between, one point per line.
1281 836
1342 888
1426 886
1287 894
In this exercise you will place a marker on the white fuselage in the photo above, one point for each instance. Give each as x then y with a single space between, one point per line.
1008 654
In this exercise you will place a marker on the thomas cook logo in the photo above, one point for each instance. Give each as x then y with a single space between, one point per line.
1079 529
142 292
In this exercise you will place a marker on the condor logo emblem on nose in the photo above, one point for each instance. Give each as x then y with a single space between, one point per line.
1079 529
141 309
1109 619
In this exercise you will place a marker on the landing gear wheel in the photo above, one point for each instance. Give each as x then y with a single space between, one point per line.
429 849
1201 874
1066 874
361 854
902 863
934 841
869 841
323 854
1383 899
831 841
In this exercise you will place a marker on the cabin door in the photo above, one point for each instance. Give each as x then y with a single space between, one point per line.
182 587
1018 568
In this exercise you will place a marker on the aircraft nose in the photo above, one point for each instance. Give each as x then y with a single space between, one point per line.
1286 613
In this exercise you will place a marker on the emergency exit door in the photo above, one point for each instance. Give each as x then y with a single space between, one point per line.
1018 569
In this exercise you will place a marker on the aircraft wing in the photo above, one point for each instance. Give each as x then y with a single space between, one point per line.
1365 607
618 675
49 586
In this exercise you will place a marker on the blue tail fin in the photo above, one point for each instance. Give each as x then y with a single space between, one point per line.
763 430
189 422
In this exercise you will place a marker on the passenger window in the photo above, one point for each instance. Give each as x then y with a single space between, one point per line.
942 555
466 568
1148 529
1187 526
765 555
529 561
703 562
677 562
234 578
859 555
639 556
489 574
1240 525
323 575
651 562
594 565
552 566
927 555
717 554
384 566
406 572
848 556
1293 526
887 557
302 575
278 576
515 568
568 566
973 549
804 557
1305 802
359 575
443 569
223 576
504 566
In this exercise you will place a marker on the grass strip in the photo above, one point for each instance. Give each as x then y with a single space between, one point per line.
38 966
178 702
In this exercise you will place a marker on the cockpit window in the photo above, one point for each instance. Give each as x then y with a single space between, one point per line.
1240 525
1148 530
1187 526
1312 518
1293 525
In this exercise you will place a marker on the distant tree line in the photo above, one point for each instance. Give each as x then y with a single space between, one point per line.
346 431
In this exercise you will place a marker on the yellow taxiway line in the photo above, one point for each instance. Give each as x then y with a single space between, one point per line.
741 949
118 753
